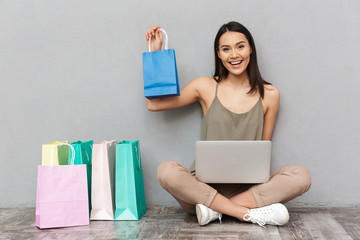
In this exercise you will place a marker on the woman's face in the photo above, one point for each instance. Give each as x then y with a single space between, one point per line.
234 52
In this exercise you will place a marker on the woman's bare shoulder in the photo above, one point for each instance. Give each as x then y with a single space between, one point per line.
205 86
204 83
271 91
206 80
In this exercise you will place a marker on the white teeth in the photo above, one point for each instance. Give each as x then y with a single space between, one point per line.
235 63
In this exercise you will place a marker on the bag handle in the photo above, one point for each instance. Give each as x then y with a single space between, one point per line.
138 156
87 156
72 151
166 40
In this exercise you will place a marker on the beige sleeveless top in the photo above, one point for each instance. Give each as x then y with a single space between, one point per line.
220 123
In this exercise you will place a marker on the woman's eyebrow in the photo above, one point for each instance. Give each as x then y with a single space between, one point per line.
224 45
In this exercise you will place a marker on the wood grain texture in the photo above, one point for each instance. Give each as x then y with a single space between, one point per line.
174 223
349 219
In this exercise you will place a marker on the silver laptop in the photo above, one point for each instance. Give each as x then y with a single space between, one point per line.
233 161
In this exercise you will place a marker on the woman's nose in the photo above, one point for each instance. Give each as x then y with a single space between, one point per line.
234 53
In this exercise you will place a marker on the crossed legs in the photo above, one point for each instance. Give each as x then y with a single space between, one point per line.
285 184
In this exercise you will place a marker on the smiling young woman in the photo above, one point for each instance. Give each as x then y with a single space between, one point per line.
237 104
234 52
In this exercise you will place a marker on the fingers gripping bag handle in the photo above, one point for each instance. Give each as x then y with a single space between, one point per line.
60 144
166 40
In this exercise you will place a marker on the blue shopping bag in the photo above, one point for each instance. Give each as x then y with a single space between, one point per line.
129 184
160 72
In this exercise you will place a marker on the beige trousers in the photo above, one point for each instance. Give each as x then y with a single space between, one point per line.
284 185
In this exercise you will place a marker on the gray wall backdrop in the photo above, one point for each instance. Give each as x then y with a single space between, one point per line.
72 70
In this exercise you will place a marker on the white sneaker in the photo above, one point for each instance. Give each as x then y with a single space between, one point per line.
274 214
205 215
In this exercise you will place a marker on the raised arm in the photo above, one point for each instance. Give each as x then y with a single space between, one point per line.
188 95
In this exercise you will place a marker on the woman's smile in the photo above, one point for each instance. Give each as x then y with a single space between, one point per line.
236 64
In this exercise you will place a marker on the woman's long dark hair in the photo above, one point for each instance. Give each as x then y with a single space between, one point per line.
255 79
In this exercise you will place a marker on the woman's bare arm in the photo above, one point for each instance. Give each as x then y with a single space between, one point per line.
271 101
188 95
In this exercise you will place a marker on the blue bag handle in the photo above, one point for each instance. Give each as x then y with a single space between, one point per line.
166 40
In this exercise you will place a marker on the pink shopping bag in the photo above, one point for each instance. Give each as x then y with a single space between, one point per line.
103 181
62 195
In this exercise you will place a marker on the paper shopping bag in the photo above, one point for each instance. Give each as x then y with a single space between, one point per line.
160 72
61 153
129 184
83 155
103 177
61 196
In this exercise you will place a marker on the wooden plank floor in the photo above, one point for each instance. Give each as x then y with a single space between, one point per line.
173 223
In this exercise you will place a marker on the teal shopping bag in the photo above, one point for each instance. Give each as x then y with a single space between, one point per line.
129 184
83 153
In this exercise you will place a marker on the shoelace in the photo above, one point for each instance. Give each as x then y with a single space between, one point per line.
220 216
250 218
260 216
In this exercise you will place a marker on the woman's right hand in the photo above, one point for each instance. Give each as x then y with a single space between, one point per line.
156 38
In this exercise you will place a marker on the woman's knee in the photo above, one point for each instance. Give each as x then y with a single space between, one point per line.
302 178
166 172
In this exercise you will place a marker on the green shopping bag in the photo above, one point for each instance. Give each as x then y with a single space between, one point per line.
83 153
129 184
